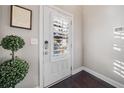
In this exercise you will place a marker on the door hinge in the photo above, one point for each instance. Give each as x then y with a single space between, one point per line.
71 68
71 22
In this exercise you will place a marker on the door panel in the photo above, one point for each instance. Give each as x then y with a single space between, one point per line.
57 45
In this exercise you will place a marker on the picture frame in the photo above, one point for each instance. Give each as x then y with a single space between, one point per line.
20 17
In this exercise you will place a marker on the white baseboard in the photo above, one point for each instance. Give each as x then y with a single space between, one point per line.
77 70
57 82
37 87
104 78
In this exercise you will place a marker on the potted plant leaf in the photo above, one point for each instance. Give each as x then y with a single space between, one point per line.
14 70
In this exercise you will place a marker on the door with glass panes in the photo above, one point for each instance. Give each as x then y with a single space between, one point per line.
57 45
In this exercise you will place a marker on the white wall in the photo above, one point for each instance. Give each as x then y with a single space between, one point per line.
98 23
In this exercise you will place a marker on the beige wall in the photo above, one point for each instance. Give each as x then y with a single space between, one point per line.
93 31
98 38
30 52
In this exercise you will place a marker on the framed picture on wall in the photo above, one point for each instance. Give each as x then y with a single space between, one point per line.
20 17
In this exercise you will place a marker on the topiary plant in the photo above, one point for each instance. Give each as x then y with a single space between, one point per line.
12 43
14 70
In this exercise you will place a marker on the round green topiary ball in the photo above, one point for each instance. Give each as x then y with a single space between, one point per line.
12 72
12 43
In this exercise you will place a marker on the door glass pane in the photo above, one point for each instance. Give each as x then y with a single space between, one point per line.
60 33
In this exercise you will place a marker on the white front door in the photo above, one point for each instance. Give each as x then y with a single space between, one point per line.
57 45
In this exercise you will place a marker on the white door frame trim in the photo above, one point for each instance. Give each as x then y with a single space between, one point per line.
41 25
41 42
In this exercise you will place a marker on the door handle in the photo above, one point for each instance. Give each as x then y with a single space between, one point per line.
46 44
46 47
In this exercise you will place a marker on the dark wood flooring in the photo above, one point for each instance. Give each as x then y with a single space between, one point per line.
82 80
